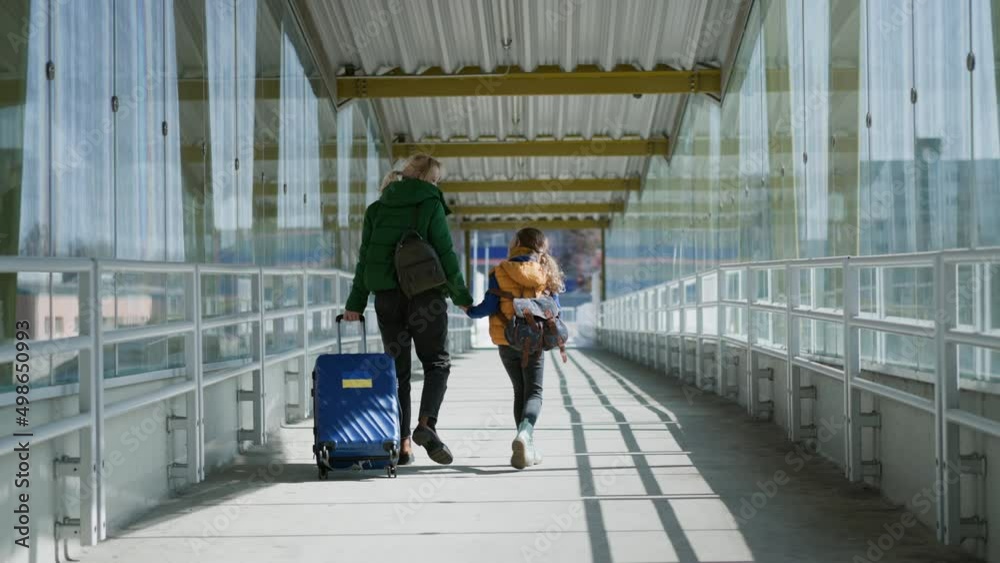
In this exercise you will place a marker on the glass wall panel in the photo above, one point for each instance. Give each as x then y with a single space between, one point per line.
186 108
847 127
779 195
221 189
24 161
271 95
888 187
943 114
325 254
24 194
986 123
140 210
755 242
247 69
182 130
82 174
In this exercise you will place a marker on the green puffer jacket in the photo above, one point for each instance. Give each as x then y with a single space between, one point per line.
386 221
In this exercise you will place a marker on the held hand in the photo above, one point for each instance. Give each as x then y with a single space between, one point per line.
352 316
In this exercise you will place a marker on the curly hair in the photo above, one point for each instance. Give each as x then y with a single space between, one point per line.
534 239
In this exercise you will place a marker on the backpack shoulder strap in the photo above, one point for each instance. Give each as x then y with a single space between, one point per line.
501 293
415 224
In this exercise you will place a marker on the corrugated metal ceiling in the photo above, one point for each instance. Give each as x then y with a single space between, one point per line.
375 36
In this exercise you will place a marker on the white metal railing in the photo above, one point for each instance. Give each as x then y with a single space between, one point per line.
310 309
744 305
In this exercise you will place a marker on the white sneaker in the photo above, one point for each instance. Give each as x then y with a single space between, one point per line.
523 447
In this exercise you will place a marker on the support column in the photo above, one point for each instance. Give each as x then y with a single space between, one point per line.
720 324
93 517
946 397
852 369
699 328
257 395
793 374
305 369
753 392
194 427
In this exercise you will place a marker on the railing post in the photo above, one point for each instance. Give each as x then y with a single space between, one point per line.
195 403
750 284
720 322
852 369
305 373
682 300
259 376
698 329
946 397
793 383
93 519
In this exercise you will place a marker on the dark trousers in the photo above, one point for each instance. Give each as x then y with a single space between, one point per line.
422 320
527 381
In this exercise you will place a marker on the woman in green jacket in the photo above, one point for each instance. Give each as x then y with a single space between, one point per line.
411 198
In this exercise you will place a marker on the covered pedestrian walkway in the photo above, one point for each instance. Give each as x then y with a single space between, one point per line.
777 221
637 468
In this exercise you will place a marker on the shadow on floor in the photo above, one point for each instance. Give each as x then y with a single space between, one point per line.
814 515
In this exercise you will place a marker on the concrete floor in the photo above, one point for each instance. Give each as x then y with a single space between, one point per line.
637 469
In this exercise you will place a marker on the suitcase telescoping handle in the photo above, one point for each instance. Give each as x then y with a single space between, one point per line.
364 336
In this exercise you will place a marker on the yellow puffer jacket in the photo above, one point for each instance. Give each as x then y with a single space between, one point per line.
520 279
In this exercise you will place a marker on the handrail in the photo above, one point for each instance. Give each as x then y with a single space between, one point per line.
925 405
119 265
45 265
615 314
47 431
227 269
131 334
975 422
223 321
126 406
219 376
189 380
270 271
9 352
283 313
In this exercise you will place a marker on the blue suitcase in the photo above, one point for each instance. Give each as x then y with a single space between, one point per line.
355 410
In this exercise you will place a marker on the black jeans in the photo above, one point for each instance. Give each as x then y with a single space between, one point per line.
424 321
527 381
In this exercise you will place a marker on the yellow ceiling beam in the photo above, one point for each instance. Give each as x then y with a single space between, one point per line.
537 148
544 81
540 185
539 223
542 208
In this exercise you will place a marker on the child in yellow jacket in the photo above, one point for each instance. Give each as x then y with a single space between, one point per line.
529 271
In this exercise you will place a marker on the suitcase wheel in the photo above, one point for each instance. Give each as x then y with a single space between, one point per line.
390 471
323 473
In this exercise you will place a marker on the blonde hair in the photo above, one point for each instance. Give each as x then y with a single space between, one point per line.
420 166
535 240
